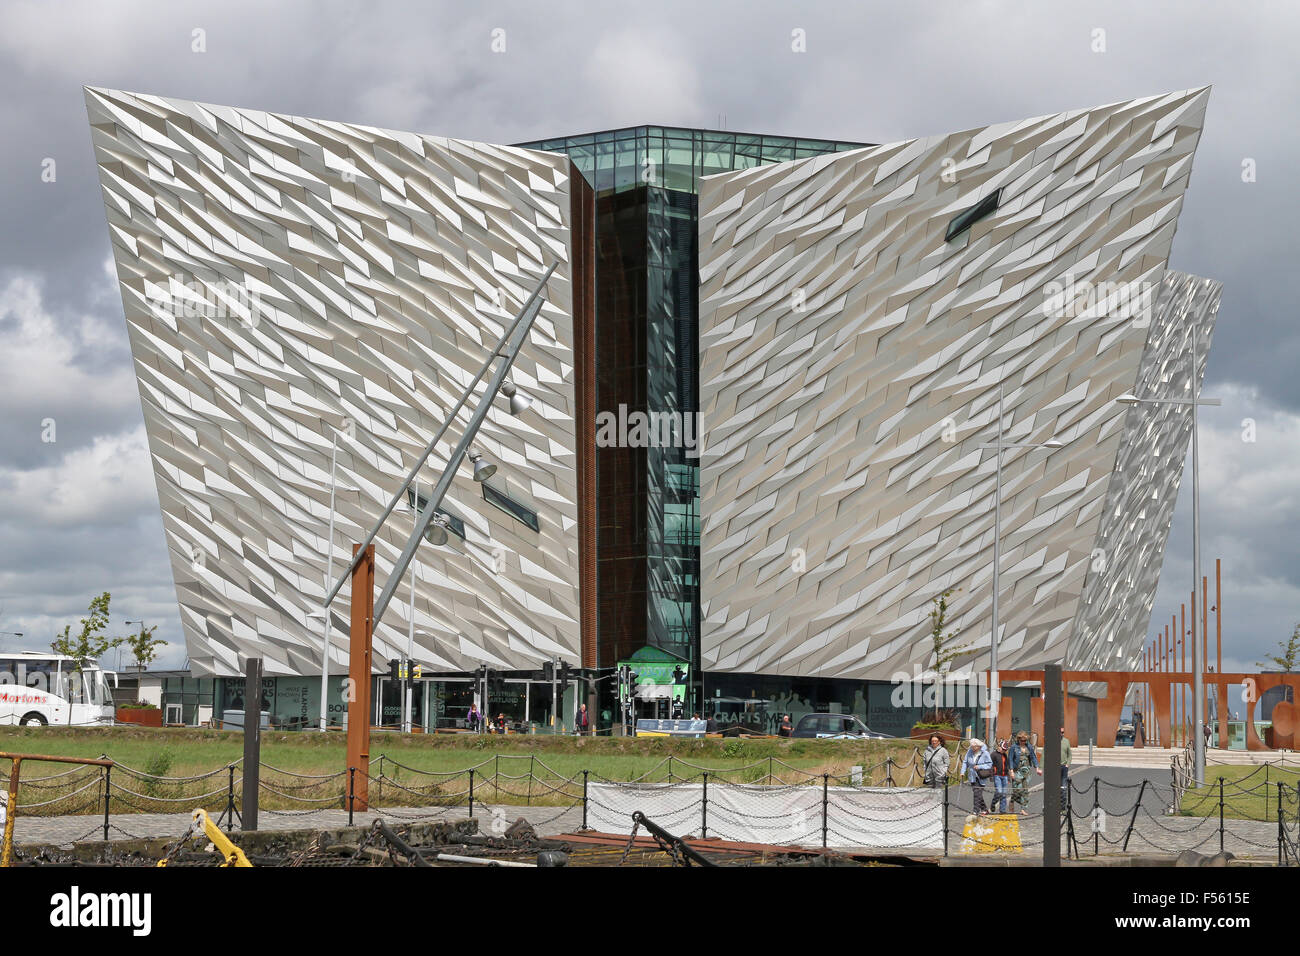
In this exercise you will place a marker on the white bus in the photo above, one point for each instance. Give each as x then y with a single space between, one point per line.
38 690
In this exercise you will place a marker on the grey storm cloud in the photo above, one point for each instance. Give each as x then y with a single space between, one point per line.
79 514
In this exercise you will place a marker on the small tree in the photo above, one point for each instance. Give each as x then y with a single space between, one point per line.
1290 655
144 648
88 645
946 651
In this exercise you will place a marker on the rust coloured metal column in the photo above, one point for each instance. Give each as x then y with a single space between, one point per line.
1205 649
1218 653
361 633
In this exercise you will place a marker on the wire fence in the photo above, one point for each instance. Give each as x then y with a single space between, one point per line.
1098 817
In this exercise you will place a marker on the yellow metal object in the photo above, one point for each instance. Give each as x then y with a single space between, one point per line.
995 833
11 800
202 824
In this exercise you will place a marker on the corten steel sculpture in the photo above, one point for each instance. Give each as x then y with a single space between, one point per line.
1162 688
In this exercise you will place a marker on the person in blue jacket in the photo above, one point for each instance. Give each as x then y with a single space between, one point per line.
978 767
1023 759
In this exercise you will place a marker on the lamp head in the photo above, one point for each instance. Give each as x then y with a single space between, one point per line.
437 531
519 402
483 469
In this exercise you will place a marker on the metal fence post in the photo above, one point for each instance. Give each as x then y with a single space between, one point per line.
704 819
352 790
1133 819
108 785
252 742
530 779
945 816
584 799
889 771
769 770
1282 833
1220 814
1096 805
471 793
826 785
229 814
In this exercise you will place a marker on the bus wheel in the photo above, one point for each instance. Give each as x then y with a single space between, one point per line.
33 720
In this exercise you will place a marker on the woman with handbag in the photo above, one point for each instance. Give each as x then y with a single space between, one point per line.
978 767
935 763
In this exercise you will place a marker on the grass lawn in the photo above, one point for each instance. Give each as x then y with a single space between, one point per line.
1249 793
531 769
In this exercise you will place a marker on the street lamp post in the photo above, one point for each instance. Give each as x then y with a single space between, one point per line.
429 521
995 688
407 687
324 613
1198 678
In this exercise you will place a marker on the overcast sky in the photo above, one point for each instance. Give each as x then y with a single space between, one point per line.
79 515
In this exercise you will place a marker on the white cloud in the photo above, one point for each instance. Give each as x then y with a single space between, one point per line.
46 363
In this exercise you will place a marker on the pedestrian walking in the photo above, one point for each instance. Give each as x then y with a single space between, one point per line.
1139 729
786 728
1001 776
580 722
978 768
934 763
472 718
1023 758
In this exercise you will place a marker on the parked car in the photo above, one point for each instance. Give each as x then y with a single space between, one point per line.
835 727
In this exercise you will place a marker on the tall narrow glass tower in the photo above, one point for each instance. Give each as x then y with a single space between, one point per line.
646 180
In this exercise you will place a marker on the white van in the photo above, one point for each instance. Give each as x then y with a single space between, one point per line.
38 690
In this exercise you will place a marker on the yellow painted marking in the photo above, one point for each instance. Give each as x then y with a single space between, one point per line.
997 832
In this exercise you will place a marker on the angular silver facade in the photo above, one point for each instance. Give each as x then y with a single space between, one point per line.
850 364
351 278
1115 614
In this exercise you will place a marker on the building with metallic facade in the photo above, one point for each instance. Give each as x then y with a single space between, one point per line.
839 315
858 315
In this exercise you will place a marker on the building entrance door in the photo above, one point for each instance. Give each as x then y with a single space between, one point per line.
388 703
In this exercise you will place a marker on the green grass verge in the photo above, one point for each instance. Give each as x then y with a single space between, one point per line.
511 769
1249 793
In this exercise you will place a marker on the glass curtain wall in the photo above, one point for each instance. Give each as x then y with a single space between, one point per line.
647 355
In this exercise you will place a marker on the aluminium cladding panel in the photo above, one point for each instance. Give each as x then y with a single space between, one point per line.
850 364
1124 570
284 278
